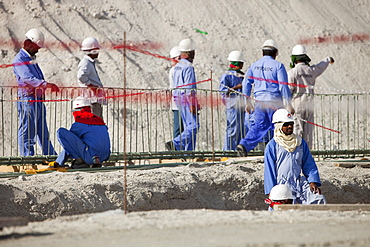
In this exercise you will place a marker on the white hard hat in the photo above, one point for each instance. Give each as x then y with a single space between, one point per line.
90 43
299 50
269 44
280 192
236 56
175 52
282 116
36 37
187 45
81 102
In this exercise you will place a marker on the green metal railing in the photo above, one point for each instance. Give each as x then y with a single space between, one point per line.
149 124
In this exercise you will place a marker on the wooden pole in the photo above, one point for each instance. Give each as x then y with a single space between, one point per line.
124 127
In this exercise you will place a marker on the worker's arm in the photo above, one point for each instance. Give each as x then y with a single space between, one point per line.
270 173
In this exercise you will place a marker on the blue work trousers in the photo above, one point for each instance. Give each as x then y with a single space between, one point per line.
187 139
32 123
74 148
235 128
262 117
178 125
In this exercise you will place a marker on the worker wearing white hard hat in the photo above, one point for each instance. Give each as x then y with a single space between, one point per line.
31 90
185 98
87 142
177 120
287 156
231 85
279 194
271 92
88 77
302 80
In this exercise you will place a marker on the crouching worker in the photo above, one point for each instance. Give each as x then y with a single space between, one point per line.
279 194
87 142
287 156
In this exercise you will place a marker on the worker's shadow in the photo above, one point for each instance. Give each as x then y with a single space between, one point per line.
18 235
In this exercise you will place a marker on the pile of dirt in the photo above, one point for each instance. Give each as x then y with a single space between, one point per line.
231 186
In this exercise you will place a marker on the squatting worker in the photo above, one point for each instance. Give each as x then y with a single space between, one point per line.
231 84
185 98
177 121
287 156
270 90
302 79
88 75
87 142
32 87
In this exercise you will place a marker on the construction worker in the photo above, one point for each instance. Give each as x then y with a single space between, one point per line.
177 121
287 156
231 84
88 75
302 79
87 141
279 194
185 98
270 89
32 87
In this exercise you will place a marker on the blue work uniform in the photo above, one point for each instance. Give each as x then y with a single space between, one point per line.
283 167
235 109
184 98
31 115
270 88
84 141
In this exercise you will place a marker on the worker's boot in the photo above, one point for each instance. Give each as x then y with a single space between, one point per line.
79 163
96 162
240 151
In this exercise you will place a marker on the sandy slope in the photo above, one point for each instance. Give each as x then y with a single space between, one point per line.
230 25
242 25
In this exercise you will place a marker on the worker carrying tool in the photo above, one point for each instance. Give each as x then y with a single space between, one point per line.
87 141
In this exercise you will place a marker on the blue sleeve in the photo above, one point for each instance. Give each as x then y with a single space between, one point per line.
189 77
270 166
247 82
224 83
309 167
27 73
283 87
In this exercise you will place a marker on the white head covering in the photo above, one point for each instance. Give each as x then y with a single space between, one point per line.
288 142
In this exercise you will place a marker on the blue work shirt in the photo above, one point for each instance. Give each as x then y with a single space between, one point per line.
28 76
184 74
229 80
265 73
283 167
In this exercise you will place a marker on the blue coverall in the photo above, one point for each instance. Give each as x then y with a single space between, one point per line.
84 141
184 98
31 115
268 95
235 109
283 167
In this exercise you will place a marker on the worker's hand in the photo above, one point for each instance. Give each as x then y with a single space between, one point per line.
249 108
53 87
314 189
194 109
331 60
290 108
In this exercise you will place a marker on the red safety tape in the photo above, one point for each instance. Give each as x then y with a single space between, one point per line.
278 82
15 64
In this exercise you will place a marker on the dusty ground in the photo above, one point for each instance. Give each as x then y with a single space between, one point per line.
194 205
